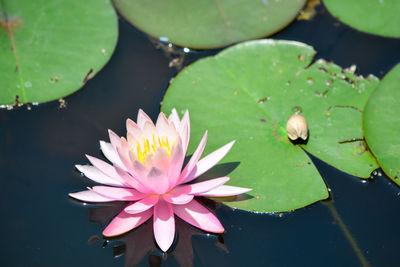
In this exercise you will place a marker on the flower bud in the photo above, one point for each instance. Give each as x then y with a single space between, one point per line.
297 127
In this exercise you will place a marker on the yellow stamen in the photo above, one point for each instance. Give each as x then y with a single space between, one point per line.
154 145
151 146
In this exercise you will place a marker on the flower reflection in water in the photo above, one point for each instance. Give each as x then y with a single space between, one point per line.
138 243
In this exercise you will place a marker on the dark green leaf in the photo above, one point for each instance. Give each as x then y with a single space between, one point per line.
382 124
209 23
380 17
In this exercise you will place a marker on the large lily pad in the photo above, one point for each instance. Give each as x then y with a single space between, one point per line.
380 17
247 93
49 49
209 23
382 124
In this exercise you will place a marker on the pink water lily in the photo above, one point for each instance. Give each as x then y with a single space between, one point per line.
146 172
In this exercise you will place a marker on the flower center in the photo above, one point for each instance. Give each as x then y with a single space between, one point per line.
151 146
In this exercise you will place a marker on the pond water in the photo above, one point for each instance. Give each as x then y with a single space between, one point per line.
41 226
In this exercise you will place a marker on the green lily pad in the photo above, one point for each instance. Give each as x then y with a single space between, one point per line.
49 49
248 92
380 17
209 23
382 124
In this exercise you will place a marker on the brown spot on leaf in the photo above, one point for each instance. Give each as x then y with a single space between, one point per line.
262 100
276 131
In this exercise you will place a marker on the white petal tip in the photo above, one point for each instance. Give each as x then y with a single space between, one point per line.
164 245
132 211
164 248
75 196
245 190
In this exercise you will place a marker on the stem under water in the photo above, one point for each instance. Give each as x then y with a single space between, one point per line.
347 233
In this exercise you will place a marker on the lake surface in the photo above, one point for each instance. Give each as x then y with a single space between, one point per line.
41 226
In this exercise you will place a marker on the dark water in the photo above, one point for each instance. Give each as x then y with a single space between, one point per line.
41 226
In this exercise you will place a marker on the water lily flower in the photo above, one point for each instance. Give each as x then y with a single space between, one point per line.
147 173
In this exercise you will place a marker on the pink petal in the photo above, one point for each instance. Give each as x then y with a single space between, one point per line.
110 153
184 130
105 168
142 205
128 179
133 129
194 159
115 140
225 191
174 118
164 225
162 123
197 215
204 187
132 181
96 175
90 196
132 139
125 194
142 118
125 222
176 197
148 130
209 161
157 181
177 157
138 173
164 128
139 170
124 156
161 160
132 156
